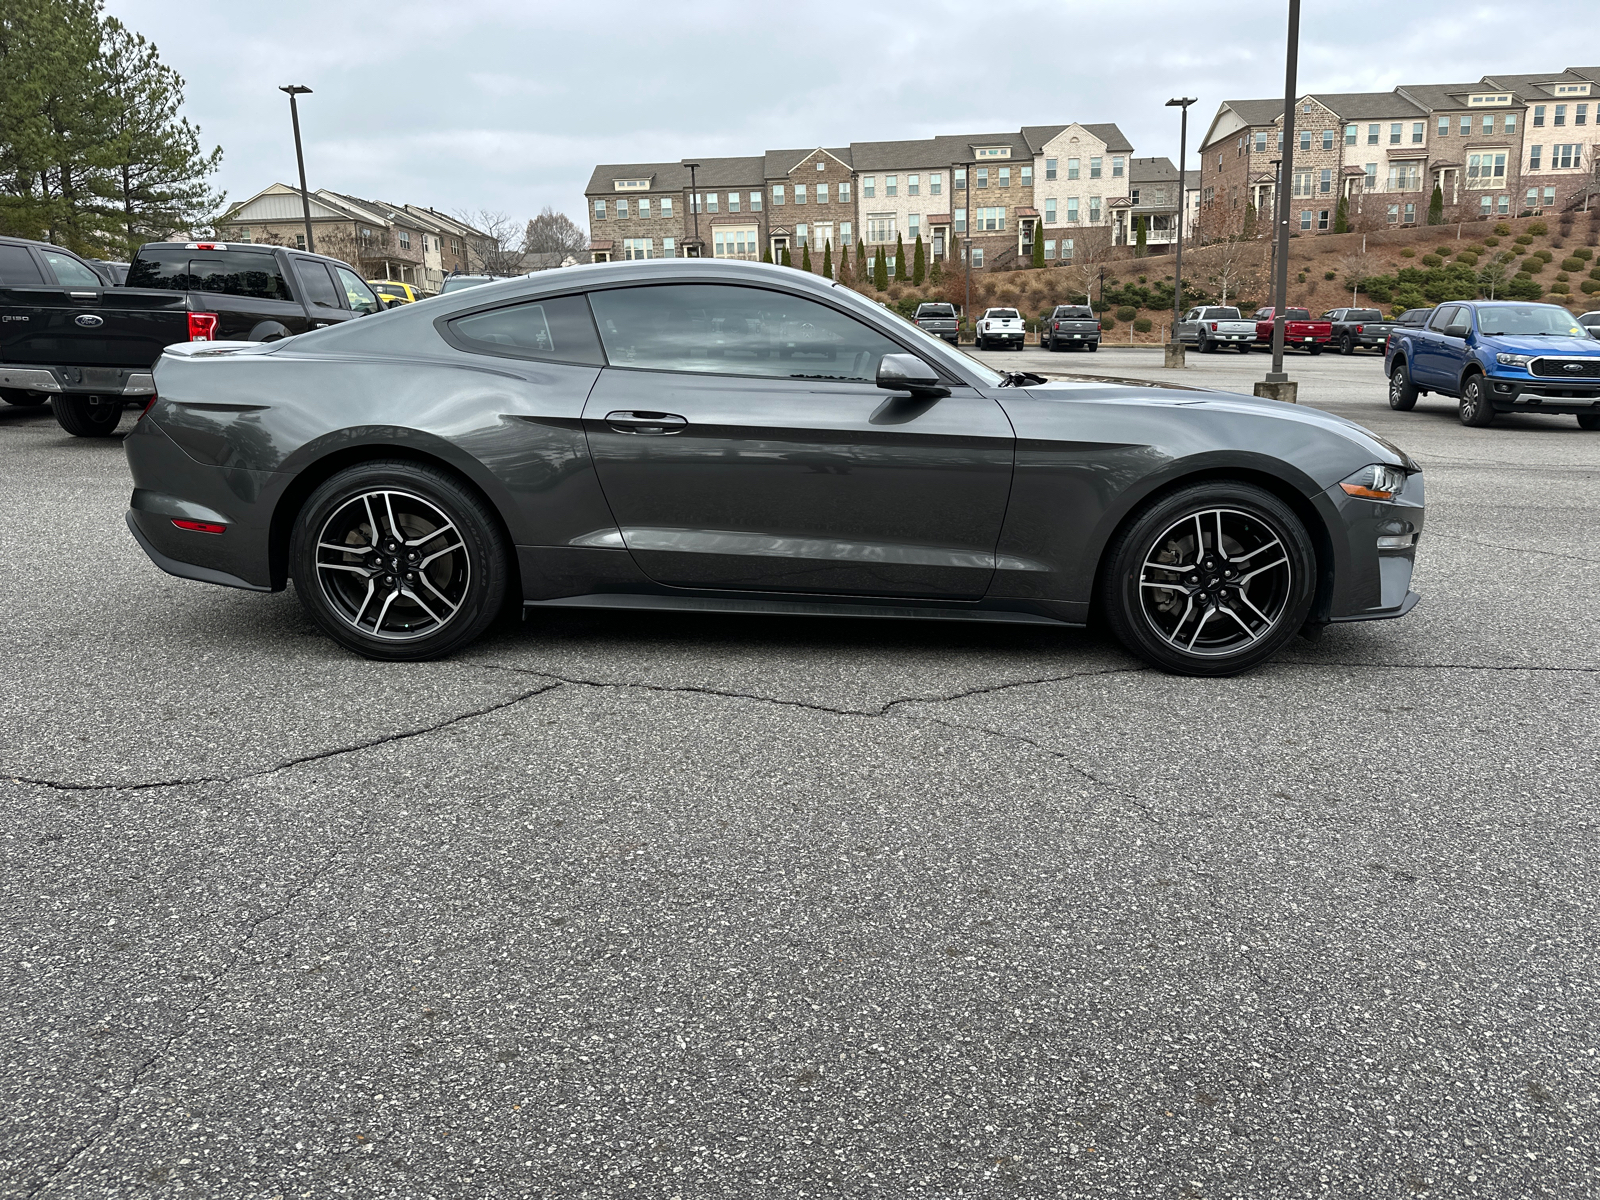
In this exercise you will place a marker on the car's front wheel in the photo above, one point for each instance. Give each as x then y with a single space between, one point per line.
1209 580
1402 392
1477 409
399 561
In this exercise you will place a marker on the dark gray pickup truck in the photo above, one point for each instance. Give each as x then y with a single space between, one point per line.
1355 328
69 336
1071 326
939 320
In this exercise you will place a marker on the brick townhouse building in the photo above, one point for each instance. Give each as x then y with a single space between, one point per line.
1492 147
994 193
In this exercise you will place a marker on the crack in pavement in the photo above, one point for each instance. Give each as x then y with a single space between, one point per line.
1456 537
354 748
185 1025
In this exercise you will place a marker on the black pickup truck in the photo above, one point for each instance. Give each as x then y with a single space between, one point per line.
1354 328
68 335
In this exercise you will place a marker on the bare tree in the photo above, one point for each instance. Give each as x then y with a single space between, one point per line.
1091 247
498 251
1354 269
555 234
1236 259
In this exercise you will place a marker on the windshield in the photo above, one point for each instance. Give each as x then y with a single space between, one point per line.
1222 314
935 310
1002 314
1526 320
1074 314
1297 314
1363 314
933 348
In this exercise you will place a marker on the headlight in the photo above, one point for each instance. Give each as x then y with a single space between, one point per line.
1376 482
1513 360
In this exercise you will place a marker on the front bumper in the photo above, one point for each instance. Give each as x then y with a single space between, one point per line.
1373 583
1535 393
103 381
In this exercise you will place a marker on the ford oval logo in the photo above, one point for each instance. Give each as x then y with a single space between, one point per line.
1574 366
88 320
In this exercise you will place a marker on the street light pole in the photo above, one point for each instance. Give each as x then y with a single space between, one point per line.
1174 346
300 160
694 206
1277 385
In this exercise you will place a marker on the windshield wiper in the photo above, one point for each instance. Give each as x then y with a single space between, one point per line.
1021 379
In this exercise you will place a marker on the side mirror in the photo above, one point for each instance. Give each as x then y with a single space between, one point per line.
908 373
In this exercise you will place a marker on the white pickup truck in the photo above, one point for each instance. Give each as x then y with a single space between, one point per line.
1003 327
1210 327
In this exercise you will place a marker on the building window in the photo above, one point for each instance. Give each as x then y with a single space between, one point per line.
636 248
1025 176
1371 181
1505 205
1305 218
405 239
1466 127
1050 168
1561 114
913 185
1538 114
1532 200
936 184
644 207
800 235
1549 196
960 178
1305 139
1417 128
1444 126
1394 133
1072 168
799 193
1261 141
1565 157
299 241
822 193
1535 154
880 228
599 210
869 187
982 179
777 195
1410 214
1406 176
1488 125
844 233
1325 184
1394 214
1327 139
1050 210
1066 250
1511 122
1302 183
1094 168
669 247
890 260
960 218
1372 135
711 202
1049 248
734 243
1485 170
1581 115
622 210
1094 209
1072 209
891 185
844 193
1322 219
977 256
990 219
455 245
1117 166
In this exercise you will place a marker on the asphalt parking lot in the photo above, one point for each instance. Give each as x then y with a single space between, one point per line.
677 906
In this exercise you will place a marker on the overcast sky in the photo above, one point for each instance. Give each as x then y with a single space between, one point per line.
494 104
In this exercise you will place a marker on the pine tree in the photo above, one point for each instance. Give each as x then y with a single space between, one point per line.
827 259
1142 242
805 257
936 273
899 260
861 261
766 255
880 272
1038 246
919 263
1341 216
786 261
1435 207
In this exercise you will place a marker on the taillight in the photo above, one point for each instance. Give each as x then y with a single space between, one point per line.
1056 325
1358 329
202 327
148 405
1098 325
1213 327
206 246
200 526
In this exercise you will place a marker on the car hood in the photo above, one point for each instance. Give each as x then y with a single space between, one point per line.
1183 396
1579 344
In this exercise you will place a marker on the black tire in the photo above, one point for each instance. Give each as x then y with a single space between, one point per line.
1244 347
78 417
1091 347
477 573
1476 409
1347 345
978 343
1133 611
1589 420
23 398
1402 392
1314 350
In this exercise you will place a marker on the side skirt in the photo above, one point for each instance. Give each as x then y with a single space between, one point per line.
805 608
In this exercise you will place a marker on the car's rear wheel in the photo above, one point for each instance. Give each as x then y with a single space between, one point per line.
23 398
1347 345
1476 409
399 561
1205 345
1210 580
82 418
1091 347
1314 350
1402 392
1589 420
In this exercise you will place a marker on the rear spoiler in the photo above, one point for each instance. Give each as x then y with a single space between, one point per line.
211 349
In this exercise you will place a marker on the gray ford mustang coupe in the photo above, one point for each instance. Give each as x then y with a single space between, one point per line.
721 436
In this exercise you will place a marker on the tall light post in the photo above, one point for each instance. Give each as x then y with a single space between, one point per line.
294 90
694 207
1174 346
1277 385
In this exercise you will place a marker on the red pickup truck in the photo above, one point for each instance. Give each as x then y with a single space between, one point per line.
1299 330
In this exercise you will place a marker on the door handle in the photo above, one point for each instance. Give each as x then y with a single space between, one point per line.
646 424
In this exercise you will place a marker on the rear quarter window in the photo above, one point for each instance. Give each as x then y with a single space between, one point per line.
558 330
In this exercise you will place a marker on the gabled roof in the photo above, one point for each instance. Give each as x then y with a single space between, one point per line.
776 164
1037 136
1440 97
1361 106
281 202
1540 86
744 171
1152 170
668 177
1249 114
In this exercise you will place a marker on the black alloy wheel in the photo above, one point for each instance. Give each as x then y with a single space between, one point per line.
1347 345
1210 580
1206 346
87 416
1402 392
1477 410
23 398
399 561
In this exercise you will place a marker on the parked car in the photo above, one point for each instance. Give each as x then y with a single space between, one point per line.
939 320
395 292
1300 332
68 337
1000 327
1591 322
1358 328
1213 326
115 273
1071 326
1413 317
456 282
663 454
1498 356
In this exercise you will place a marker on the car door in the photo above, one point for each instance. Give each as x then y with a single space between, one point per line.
1427 367
1188 327
322 293
742 444
1451 348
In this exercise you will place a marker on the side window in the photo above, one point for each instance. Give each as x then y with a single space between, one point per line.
69 271
318 284
17 268
729 330
361 297
1442 317
559 329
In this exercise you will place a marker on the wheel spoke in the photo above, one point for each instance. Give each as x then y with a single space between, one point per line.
447 527
1246 557
411 595
437 553
377 625
1253 608
372 521
1253 634
365 600
1248 576
452 605
364 572
1187 609
1210 612
394 526
343 549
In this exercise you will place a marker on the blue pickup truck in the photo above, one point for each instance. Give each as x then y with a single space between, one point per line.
1497 356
